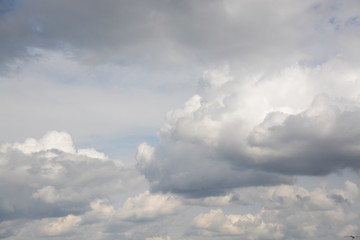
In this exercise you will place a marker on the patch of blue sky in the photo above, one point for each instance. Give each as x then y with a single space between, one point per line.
7 6
352 21
124 146
338 24
335 24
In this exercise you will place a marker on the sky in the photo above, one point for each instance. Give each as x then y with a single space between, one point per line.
179 119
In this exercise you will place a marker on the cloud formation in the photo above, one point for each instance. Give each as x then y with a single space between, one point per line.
148 206
288 211
49 177
237 132
257 152
159 30
52 189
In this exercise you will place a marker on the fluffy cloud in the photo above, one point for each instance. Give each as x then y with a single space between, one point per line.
148 206
285 107
318 141
49 177
237 133
288 211
159 238
217 222
52 189
62 225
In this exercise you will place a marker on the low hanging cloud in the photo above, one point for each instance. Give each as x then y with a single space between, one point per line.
147 206
288 212
62 226
52 189
260 130
49 177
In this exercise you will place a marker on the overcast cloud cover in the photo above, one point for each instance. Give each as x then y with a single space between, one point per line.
179 120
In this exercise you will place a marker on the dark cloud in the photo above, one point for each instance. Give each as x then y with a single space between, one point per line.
198 171
160 30
319 141
205 149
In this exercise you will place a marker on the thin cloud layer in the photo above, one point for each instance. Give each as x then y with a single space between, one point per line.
125 31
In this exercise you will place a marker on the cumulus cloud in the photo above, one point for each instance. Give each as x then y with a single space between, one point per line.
147 206
62 225
52 140
284 107
290 211
318 141
159 238
238 133
52 189
49 177
217 222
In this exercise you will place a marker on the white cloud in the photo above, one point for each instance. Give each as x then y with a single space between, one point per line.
159 238
258 130
251 226
147 206
52 140
286 105
61 226
92 153
101 208
49 194
49 175
288 211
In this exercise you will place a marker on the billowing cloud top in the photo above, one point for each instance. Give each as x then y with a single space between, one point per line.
257 131
49 177
258 151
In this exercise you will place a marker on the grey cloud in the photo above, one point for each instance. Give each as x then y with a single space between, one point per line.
54 183
319 141
197 171
305 144
159 30
287 212
214 143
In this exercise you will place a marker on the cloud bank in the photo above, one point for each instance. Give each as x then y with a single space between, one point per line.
51 189
288 211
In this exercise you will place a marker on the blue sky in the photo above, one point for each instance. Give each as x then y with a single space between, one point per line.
179 120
